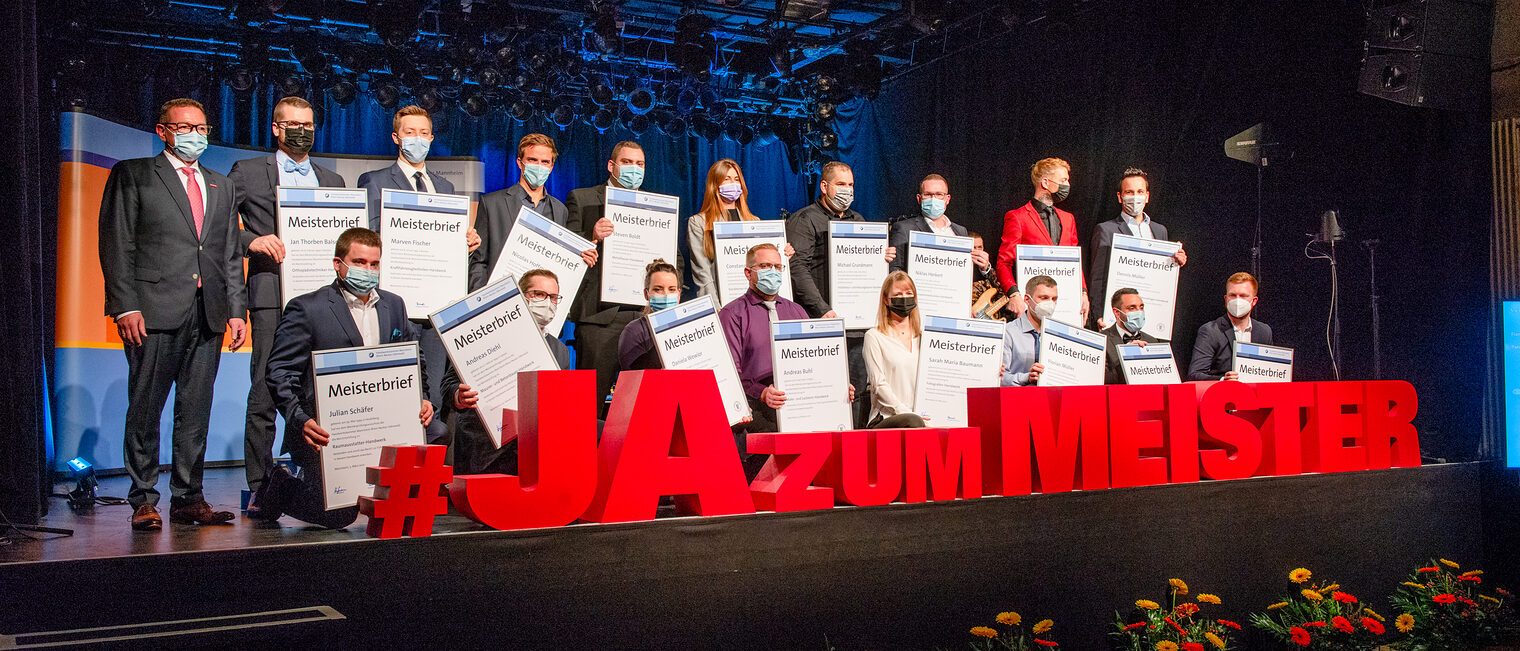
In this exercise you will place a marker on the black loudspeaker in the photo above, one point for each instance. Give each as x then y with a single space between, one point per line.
1431 53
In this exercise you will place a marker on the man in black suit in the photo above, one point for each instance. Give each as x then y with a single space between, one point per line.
412 131
597 324
1214 348
351 312
173 268
1128 315
498 210
1134 193
933 198
255 179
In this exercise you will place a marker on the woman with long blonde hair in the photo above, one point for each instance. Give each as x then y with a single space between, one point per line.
725 199
891 353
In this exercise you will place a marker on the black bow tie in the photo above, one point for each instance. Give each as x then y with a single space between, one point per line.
1130 338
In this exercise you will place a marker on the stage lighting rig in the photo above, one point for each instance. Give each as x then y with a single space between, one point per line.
429 100
600 91
476 105
603 120
694 43
293 86
740 132
605 32
386 95
563 115
343 92
488 77
824 111
520 110
637 123
640 101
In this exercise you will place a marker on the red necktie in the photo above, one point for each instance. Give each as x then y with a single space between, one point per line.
197 204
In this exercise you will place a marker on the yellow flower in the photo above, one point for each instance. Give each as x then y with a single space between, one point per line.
1373 614
1166 645
1472 573
1299 575
1043 626
1484 596
1404 622
1414 585
1206 598
1214 640
1280 604
1179 585
1450 564
983 631
1330 588
1147 604
1011 619
1312 595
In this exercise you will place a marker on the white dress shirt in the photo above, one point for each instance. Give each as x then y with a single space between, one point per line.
408 171
891 373
366 315
184 179
1138 227
1243 335
295 179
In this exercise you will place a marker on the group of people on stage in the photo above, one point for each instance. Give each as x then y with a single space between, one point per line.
172 255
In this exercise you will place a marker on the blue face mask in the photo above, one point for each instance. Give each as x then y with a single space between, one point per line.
659 302
933 207
189 146
1134 321
768 282
360 282
535 174
415 148
630 176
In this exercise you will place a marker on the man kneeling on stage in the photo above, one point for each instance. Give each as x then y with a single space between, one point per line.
351 312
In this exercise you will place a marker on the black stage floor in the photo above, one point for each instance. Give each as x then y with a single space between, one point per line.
896 576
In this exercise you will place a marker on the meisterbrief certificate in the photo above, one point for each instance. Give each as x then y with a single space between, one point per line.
688 336
1149 364
644 228
426 261
309 221
1064 265
809 364
490 337
367 398
1146 266
731 243
955 355
1262 363
857 266
941 269
536 242
1072 356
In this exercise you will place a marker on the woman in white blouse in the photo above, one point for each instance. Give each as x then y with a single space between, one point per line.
891 352
724 200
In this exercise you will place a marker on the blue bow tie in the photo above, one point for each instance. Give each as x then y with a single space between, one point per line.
302 168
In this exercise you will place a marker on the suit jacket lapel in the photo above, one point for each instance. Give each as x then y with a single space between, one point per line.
1039 219
170 177
343 316
273 167
383 315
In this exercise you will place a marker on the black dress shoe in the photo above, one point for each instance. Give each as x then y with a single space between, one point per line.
198 513
265 505
146 518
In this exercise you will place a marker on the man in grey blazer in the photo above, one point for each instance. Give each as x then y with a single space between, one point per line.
255 179
933 197
1214 347
1134 193
173 266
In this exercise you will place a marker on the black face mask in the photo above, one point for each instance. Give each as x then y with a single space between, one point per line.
299 139
1061 192
902 305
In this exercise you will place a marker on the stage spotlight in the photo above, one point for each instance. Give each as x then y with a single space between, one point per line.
82 498
488 78
703 126
293 86
191 74
521 110
740 133
519 80
343 92
386 95
506 57
638 124
429 100
821 85
822 138
563 115
476 105
687 100
309 55
603 120
824 111
694 43
640 101
779 50
454 76
674 126
600 91
605 35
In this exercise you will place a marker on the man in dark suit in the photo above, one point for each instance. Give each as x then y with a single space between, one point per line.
1128 314
474 451
1038 222
1134 193
933 198
412 131
255 180
173 268
351 312
498 210
1214 348
597 324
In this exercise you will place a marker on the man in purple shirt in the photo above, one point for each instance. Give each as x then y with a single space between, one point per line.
746 322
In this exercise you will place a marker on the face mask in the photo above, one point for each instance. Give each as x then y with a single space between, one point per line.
842 199
932 207
730 191
902 305
1238 307
1044 309
630 176
1134 321
659 302
415 149
189 146
361 282
768 282
1061 192
299 139
535 174
542 310
1134 205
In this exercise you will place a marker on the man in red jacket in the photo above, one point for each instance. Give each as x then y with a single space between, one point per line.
1038 222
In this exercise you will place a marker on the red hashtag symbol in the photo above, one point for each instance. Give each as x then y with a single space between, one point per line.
409 485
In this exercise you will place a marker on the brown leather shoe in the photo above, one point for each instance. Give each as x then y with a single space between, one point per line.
198 513
146 518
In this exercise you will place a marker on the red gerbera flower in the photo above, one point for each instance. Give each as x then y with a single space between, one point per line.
1373 625
1229 623
1174 625
1444 599
1192 646
1343 597
1430 569
1045 642
1315 624
1342 624
1134 626
1474 578
1300 636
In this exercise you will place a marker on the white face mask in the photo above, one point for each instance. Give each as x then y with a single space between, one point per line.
1134 205
1238 307
542 310
1044 309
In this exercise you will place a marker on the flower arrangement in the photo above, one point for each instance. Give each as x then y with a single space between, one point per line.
1180 626
1011 634
1443 607
1321 616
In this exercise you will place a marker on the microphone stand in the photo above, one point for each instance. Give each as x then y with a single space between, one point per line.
1377 346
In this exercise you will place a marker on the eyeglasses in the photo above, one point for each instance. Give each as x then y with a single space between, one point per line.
534 293
186 127
936 195
288 124
766 266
